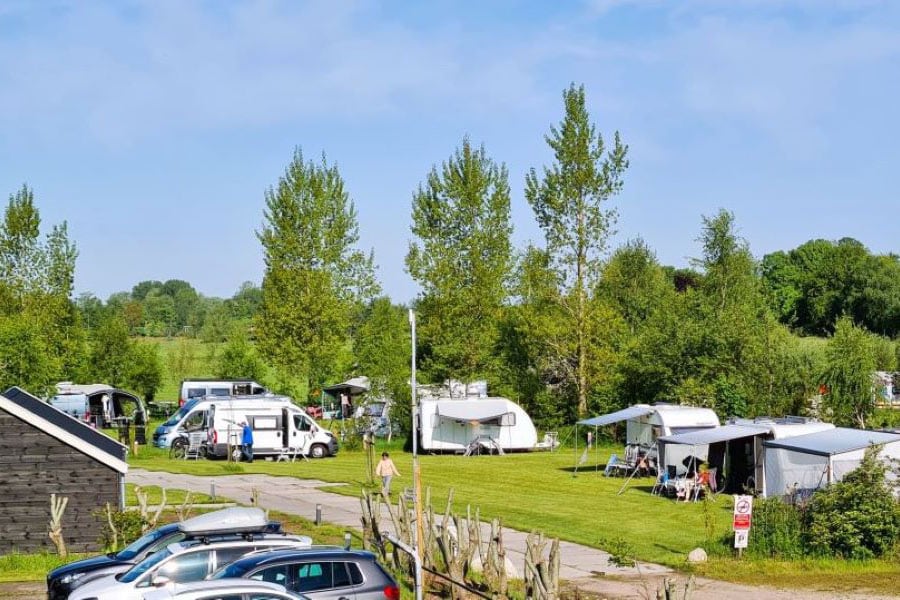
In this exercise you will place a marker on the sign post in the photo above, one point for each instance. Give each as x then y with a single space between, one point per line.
743 512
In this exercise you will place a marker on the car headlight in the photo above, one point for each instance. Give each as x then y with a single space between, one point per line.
71 578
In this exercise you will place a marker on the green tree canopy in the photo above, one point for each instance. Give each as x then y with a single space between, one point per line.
461 258
570 201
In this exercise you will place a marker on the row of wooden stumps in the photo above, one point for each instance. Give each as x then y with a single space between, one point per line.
455 546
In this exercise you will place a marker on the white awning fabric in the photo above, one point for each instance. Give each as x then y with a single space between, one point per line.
472 410
632 412
714 435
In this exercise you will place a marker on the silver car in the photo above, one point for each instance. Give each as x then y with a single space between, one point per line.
184 562
319 573
224 589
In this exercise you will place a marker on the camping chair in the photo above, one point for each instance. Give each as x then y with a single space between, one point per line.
194 448
673 482
612 465
662 481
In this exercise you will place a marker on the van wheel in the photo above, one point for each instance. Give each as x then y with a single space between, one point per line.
318 451
179 445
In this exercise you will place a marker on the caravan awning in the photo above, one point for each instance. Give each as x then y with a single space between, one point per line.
354 386
474 410
833 441
632 412
714 435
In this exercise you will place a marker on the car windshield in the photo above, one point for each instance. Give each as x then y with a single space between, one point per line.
138 545
145 565
179 415
233 570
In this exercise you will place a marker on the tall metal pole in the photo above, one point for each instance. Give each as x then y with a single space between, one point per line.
417 474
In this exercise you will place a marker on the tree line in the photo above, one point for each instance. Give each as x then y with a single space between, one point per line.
566 326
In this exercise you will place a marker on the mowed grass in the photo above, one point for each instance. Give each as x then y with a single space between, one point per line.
540 491
529 491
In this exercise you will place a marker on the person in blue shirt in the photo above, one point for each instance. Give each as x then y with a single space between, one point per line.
247 442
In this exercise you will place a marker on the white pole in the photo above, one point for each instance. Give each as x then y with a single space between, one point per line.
417 474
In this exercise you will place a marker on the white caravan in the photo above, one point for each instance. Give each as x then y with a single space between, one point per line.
645 423
475 425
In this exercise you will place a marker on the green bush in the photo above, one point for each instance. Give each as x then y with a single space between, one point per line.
777 530
857 517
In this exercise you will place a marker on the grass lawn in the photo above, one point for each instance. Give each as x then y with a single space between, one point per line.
539 491
528 491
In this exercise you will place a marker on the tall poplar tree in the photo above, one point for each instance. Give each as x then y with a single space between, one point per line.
569 199
462 259
315 276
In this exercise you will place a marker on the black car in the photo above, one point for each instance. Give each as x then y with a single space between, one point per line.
63 580
318 573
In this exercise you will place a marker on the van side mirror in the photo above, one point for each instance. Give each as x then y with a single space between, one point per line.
157 580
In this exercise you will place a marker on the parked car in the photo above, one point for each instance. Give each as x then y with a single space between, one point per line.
181 562
224 589
230 523
319 573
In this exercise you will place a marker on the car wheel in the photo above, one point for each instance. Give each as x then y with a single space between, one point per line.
178 448
318 451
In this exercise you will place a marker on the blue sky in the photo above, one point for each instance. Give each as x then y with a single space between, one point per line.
153 128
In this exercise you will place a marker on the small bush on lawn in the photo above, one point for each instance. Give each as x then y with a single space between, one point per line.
857 517
128 523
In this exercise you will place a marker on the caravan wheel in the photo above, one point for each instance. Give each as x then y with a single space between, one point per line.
318 451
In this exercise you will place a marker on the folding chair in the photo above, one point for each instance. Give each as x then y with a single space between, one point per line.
194 448
662 482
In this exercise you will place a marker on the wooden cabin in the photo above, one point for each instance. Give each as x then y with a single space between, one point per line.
44 451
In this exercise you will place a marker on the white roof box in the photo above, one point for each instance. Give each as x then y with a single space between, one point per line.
228 520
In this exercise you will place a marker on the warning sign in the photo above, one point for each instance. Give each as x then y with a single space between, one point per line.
743 509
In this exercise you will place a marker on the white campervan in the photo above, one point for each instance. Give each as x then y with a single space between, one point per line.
199 388
278 426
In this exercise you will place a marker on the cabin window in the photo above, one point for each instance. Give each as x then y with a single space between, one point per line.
301 424
195 421
219 391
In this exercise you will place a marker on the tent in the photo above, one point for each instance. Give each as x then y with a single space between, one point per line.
735 450
805 463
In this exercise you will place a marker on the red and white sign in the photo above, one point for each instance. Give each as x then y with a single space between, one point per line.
743 510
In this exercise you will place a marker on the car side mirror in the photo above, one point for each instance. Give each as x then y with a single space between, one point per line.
159 581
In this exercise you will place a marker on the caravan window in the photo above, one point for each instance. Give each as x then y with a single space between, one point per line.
196 393
219 392
265 422
301 424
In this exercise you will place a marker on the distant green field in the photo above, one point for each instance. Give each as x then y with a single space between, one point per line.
198 357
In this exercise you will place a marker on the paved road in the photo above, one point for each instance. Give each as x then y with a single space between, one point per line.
587 568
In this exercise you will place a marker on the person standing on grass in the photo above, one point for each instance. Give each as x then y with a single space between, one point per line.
247 442
386 469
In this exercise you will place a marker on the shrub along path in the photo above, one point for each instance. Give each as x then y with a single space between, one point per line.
582 566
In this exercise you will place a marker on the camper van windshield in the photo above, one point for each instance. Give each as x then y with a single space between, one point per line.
179 415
